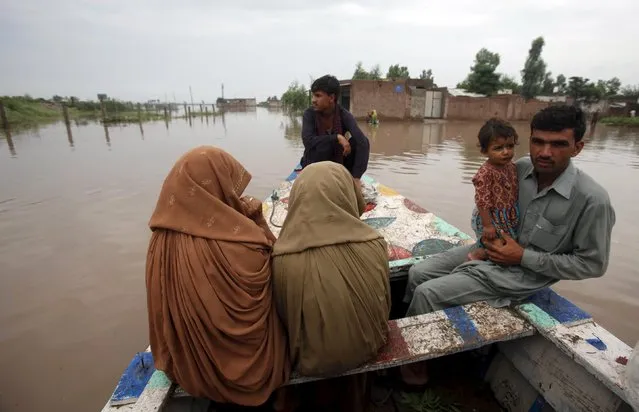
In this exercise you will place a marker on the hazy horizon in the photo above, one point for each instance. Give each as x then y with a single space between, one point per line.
155 50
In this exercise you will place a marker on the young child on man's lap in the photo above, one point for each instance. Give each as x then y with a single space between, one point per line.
496 186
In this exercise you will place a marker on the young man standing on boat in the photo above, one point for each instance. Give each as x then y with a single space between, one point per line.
324 129
564 230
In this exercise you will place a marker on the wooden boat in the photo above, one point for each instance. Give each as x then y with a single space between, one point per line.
547 353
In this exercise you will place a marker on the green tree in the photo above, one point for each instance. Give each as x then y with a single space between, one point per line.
548 85
483 77
426 75
375 73
534 72
612 86
360 72
509 82
295 99
631 91
560 82
397 72
582 89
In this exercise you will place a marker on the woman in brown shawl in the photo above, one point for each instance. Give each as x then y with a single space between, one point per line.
213 327
330 274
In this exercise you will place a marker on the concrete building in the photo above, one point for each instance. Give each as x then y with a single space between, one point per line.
417 100
236 104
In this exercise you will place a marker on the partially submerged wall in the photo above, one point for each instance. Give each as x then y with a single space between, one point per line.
509 107
389 98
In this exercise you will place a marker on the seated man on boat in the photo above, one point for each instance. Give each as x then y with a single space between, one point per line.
564 229
324 129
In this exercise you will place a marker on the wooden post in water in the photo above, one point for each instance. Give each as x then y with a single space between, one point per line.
139 113
189 112
103 109
106 135
65 114
185 111
3 117
206 111
201 109
166 113
213 108
69 135
12 147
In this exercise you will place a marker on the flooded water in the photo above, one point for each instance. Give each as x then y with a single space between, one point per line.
73 221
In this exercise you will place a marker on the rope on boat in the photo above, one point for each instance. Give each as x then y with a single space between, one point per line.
275 200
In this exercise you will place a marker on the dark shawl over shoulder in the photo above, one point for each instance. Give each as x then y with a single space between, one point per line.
321 146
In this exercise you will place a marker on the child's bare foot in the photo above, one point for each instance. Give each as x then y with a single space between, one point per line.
478 254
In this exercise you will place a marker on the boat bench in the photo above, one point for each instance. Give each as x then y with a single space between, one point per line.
445 332
410 340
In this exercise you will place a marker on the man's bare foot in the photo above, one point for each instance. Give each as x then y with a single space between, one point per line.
478 254
414 374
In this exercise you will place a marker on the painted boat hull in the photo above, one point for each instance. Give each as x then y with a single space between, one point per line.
551 354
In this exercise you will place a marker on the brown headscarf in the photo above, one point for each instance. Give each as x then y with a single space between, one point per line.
330 274
213 327
324 207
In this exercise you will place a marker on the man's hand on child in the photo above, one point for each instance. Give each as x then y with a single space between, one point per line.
489 232
507 252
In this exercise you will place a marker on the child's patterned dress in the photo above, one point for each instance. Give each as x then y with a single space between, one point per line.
497 190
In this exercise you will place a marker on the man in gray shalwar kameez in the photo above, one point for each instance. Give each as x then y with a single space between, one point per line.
564 231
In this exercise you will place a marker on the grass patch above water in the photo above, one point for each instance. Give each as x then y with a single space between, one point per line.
621 121
23 111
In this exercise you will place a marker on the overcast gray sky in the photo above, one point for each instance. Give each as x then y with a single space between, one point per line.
142 49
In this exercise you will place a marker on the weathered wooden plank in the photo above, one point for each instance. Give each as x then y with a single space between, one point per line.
156 393
132 383
436 334
563 383
512 390
588 344
559 308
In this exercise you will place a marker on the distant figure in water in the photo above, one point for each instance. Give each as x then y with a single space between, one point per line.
372 117
594 119
496 186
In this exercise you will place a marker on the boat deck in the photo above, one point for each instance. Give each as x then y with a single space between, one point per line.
413 234
441 333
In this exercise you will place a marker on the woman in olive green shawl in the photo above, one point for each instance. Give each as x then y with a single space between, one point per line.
330 274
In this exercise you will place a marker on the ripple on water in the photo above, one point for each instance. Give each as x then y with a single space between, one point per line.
74 224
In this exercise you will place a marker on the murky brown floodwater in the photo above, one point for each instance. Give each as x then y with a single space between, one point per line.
73 225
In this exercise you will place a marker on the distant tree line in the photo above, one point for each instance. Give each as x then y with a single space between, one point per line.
536 80
395 72
296 98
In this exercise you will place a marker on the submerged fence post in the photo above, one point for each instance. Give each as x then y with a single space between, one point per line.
139 113
186 112
3 117
65 114
189 112
103 109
